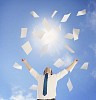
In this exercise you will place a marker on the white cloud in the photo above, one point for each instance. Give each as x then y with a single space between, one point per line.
1 98
19 94
91 16
93 74
93 47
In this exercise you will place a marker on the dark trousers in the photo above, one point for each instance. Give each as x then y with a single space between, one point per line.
46 99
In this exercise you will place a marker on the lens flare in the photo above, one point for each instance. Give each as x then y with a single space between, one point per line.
53 38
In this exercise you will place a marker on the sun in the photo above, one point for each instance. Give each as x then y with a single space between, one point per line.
48 37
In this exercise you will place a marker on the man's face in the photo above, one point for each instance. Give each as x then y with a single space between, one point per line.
47 70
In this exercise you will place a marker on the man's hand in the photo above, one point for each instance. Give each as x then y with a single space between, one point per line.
24 60
76 60
70 68
28 66
26 63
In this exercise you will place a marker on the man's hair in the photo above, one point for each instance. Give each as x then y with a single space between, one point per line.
51 71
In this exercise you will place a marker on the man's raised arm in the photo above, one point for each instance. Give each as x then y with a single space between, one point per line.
31 70
70 68
65 71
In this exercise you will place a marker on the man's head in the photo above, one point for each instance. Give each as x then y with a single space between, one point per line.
48 70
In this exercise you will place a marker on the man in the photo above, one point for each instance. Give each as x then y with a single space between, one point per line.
47 83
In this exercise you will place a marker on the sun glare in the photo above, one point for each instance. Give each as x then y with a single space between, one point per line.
48 37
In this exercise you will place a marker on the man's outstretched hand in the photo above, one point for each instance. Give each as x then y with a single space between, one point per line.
27 64
70 68
76 60
24 60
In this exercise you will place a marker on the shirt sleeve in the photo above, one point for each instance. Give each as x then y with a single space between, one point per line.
34 73
61 74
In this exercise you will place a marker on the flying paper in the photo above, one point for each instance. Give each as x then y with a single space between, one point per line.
60 27
54 13
69 49
17 66
84 66
23 32
44 49
68 36
76 33
27 47
59 63
57 28
39 34
46 24
33 87
69 85
82 12
34 14
65 17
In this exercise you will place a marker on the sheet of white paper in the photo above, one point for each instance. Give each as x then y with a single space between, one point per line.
34 14
60 27
76 34
54 13
44 49
23 32
84 66
65 17
27 47
33 87
82 12
59 63
57 28
69 48
39 34
69 85
17 66
68 36
46 24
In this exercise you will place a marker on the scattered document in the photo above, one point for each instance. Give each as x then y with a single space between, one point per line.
69 48
65 17
60 27
84 66
59 63
27 47
34 14
69 85
38 34
68 36
46 24
57 28
23 32
54 13
82 12
17 66
44 49
76 34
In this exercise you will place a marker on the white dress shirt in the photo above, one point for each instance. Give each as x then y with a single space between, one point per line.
51 83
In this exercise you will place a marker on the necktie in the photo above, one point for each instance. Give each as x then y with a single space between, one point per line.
45 84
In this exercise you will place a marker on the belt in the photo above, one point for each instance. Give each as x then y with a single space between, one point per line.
47 99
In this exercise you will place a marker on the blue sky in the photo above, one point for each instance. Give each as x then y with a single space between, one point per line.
15 14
